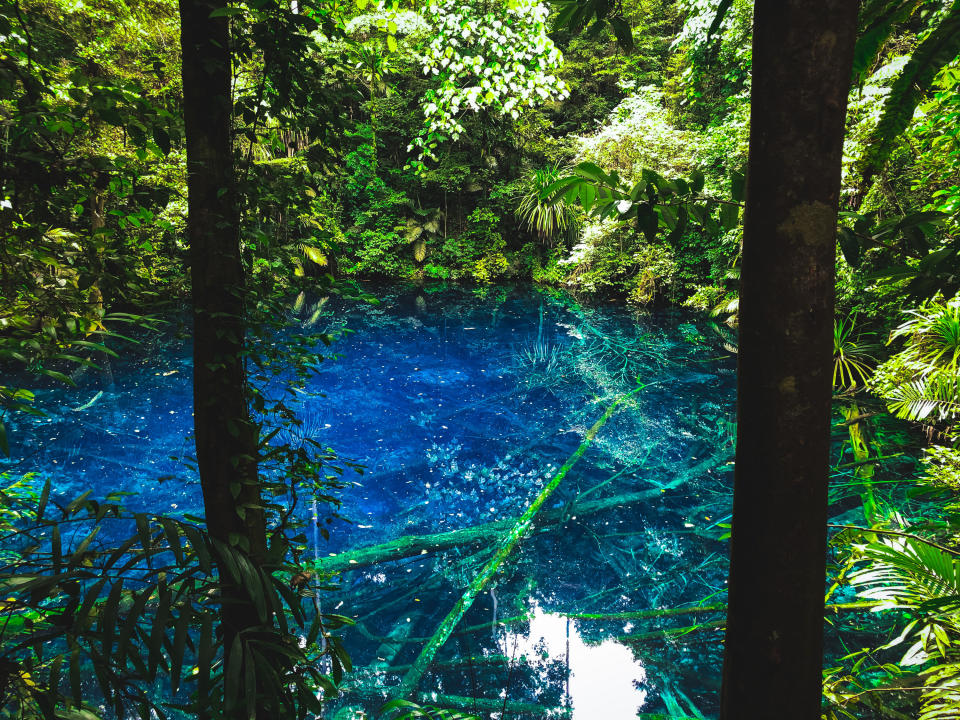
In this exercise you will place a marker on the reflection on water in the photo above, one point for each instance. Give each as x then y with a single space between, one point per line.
605 679
462 405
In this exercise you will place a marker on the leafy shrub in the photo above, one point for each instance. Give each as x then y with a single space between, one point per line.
639 135
922 381
477 254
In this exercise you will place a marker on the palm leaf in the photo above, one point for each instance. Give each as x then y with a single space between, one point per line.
543 212
918 399
941 697
908 572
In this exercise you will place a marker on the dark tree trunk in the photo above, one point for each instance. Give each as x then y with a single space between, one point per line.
802 59
226 438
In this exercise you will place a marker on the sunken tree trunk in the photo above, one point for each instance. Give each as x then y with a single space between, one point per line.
226 437
802 59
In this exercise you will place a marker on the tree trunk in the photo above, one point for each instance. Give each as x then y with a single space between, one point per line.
802 59
226 438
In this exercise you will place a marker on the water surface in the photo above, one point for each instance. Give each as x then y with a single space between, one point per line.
461 405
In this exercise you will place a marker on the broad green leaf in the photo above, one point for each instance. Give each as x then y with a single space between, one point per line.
205 651
723 7
159 630
849 245
162 139
233 667
199 546
226 12
737 186
65 379
93 594
250 682
44 499
77 556
588 194
729 216
76 674
591 171
78 503
172 534
130 624
697 180
622 30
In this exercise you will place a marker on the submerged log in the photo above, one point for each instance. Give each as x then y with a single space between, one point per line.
657 614
469 660
716 624
491 532
635 615
653 635
490 705
469 704
515 534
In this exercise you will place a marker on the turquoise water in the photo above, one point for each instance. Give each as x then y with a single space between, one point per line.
461 405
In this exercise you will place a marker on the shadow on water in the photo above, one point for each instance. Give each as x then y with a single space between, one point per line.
462 405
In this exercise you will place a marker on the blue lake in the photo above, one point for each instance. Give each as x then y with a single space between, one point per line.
461 405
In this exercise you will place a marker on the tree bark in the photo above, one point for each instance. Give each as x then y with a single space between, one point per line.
802 59
226 438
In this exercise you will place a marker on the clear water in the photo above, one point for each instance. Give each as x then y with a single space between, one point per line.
461 405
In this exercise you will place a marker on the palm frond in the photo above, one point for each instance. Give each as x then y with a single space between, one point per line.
936 397
546 217
849 356
907 572
941 697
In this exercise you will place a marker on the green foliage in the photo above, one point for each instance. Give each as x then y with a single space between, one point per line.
937 133
79 611
495 58
714 58
638 134
941 468
544 268
577 14
922 381
546 219
916 575
408 710
849 356
938 47
478 253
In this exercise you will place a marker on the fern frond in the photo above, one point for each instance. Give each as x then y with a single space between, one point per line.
876 25
314 254
935 51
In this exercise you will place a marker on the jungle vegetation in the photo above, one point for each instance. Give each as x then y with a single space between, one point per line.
155 154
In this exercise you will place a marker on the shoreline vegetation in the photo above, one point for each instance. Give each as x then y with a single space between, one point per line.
254 159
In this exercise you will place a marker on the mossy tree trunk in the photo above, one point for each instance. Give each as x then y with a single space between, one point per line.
802 60
226 437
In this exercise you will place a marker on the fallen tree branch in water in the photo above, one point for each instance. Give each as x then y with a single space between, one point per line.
516 533
490 533
715 624
656 614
